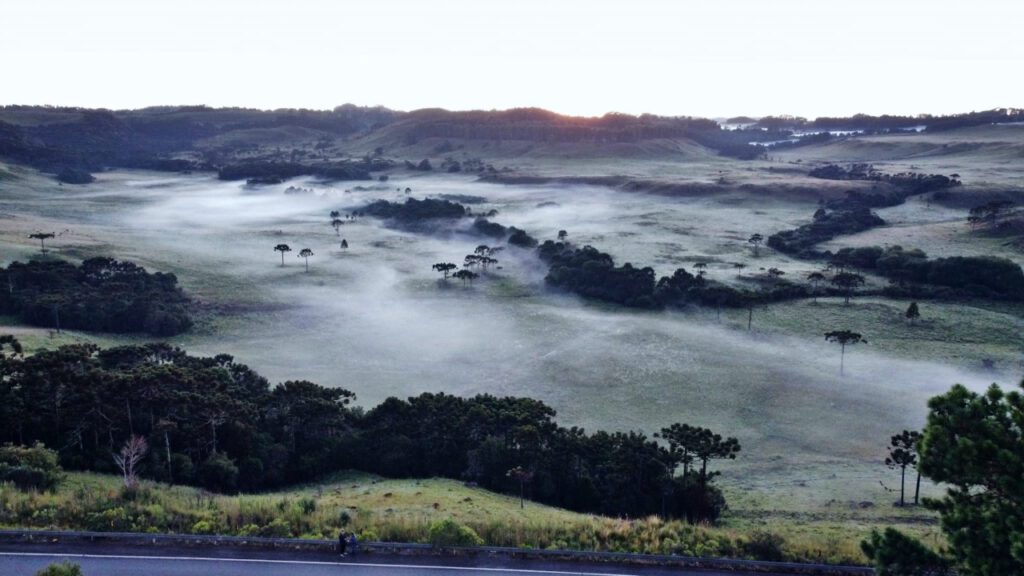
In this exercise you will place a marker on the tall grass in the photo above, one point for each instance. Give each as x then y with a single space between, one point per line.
95 502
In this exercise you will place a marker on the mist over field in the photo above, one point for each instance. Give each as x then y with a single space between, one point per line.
374 318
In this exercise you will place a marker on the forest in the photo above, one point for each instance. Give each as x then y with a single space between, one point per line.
213 422
102 294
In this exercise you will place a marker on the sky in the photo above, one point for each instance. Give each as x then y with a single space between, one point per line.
714 58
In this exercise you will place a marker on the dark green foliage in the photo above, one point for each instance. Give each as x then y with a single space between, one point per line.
592 274
64 568
218 472
981 276
913 312
903 454
413 210
29 467
448 532
225 428
270 172
852 213
895 554
765 546
75 176
800 241
974 444
515 236
102 295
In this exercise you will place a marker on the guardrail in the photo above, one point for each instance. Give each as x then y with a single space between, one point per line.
396 548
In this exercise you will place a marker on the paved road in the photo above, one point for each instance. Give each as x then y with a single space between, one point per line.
102 560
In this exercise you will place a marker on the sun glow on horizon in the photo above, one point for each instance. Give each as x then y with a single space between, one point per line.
722 59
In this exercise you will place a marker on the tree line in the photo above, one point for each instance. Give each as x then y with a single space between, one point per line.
101 294
213 422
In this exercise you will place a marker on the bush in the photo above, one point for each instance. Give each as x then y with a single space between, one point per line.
203 527
765 546
30 468
64 568
218 473
307 505
448 532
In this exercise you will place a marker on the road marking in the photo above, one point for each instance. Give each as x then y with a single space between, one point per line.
316 563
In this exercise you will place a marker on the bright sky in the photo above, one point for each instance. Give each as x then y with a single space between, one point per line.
676 57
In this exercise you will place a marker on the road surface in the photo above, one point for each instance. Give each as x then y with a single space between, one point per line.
104 560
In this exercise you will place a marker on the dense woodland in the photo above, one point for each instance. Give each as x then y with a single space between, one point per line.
102 294
218 424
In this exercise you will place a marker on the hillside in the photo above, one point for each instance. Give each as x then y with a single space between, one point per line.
403 510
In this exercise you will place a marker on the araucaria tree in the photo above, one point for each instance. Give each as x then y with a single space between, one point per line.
756 240
42 237
337 223
282 248
306 253
912 313
815 278
689 444
444 268
847 282
844 338
466 276
903 453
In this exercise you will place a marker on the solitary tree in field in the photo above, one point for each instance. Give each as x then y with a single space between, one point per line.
815 278
337 223
466 276
282 248
848 282
522 476
776 274
344 244
912 313
444 268
738 266
335 214
562 235
128 459
701 267
42 236
903 453
844 338
306 253
756 240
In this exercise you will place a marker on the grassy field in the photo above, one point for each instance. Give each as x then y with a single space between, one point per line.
403 510
375 319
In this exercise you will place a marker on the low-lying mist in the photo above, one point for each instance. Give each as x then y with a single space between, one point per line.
374 317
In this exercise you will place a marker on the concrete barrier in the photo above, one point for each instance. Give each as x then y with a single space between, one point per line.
413 549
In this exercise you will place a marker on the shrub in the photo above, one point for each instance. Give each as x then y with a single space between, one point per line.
30 468
448 532
765 546
307 505
203 527
218 473
61 569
